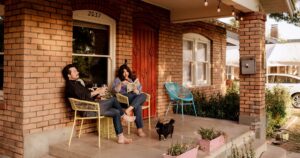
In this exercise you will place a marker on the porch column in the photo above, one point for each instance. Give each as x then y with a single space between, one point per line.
252 87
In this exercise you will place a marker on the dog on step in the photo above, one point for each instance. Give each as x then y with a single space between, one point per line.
165 129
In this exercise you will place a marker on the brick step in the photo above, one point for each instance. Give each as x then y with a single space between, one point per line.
274 152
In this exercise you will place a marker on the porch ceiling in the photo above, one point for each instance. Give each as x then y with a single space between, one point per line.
194 10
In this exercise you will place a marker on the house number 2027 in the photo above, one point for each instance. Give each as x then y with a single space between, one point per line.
94 14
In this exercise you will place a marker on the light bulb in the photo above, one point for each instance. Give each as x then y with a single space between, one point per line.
205 3
219 10
233 13
241 18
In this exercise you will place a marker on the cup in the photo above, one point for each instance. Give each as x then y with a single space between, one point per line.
95 86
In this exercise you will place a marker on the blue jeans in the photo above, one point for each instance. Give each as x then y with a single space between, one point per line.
136 101
112 108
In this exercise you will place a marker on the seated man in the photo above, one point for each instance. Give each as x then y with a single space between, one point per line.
109 107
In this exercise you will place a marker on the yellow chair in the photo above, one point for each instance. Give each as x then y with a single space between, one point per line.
124 99
86 106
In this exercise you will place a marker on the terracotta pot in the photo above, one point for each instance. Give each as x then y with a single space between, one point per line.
210 145
188 154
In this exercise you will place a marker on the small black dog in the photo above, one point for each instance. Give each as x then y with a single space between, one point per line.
165 129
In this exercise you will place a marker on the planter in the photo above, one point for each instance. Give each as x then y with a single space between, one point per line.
188 154
210 145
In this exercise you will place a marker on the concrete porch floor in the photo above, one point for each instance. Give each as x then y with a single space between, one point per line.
147 147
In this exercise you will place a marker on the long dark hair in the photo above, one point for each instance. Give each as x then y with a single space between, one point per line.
121 69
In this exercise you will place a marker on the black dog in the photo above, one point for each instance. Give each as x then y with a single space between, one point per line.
165 129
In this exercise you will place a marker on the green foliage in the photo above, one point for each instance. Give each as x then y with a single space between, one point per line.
215 106
295 19
277 101
178 149
246 151
209 133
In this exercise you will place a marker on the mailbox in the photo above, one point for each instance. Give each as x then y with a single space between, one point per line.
247 65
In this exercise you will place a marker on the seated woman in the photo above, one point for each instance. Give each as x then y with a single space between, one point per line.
75 89
136 98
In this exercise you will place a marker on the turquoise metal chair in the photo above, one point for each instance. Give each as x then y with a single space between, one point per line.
179 95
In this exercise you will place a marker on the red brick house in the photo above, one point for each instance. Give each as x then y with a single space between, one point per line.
162 40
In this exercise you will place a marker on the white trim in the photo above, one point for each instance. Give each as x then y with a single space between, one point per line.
197 38
100 18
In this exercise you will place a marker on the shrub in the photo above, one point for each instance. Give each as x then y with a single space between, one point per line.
277 101
216 105
209 133
179 148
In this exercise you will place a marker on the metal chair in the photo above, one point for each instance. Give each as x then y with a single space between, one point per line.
86 110
179 95
124 99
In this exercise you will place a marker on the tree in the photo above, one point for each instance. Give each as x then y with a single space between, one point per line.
295 19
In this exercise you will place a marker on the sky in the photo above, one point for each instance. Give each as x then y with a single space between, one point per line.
285 30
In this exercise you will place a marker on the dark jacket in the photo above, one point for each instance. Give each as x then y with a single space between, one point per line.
74 89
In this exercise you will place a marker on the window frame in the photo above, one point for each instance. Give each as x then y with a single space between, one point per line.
96 17
197 38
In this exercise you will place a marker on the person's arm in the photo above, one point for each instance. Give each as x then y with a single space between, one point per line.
117 85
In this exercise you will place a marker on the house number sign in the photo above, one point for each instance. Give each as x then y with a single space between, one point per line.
94 14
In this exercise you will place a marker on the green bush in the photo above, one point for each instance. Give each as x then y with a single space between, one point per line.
277 101
215 106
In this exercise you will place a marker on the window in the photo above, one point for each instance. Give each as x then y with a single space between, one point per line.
229 72
93 46
196 60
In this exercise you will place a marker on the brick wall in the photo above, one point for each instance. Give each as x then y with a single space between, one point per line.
38 44
252 43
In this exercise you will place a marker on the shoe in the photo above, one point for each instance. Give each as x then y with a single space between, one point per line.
128 118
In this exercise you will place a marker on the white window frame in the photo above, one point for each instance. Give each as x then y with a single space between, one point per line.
100 18
229 72
197 38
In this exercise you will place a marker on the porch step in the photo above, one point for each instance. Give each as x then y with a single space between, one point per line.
274 152
239 141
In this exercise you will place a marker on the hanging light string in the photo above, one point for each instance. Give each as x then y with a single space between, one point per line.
233 11
219 9
205 3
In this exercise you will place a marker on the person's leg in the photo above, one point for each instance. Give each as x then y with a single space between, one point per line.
115 114
113 103
135 100
139 121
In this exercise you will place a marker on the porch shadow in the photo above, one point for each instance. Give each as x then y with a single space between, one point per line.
150 146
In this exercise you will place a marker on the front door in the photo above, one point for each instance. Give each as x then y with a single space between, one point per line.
144 60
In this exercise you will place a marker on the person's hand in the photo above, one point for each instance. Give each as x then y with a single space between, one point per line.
125 82
101 91
135 90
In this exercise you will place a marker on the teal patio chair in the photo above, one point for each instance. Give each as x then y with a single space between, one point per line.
179 95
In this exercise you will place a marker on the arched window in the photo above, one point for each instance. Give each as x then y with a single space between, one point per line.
196 60
94 36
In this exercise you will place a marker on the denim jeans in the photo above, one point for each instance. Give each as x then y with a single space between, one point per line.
137 100
112 108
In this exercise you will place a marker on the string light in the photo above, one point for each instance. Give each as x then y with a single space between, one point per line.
219 9
205 3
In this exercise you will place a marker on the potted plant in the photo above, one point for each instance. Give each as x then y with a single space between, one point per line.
211 139
181 150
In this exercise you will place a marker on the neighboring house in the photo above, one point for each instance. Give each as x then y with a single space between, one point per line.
282 56
162 41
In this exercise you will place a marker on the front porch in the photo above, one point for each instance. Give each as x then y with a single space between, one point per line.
150 146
